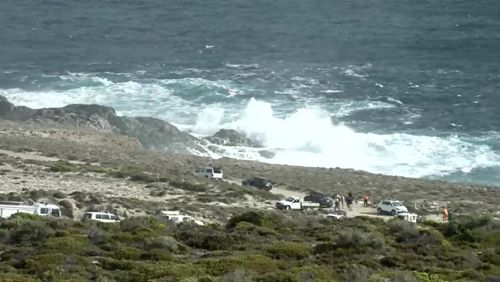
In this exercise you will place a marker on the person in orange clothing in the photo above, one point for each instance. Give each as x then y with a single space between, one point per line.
445 213
365 200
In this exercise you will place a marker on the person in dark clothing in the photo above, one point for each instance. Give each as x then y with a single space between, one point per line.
349 200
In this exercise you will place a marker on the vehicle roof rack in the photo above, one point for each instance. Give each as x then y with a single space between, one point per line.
12 203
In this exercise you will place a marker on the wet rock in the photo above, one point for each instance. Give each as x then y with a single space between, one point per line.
267 154
231 137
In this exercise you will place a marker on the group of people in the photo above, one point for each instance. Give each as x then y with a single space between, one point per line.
341 199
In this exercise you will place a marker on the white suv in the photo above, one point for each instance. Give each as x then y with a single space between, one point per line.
209 172
101 216
391 207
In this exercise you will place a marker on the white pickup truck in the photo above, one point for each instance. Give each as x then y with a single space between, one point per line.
292 203
8 208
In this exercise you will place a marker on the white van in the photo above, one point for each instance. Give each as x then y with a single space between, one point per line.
101 216
177 217
209 172
8 208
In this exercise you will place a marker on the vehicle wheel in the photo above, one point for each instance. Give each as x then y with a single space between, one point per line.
379 210
287 207
393 212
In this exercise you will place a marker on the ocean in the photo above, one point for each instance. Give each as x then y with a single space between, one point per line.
397 87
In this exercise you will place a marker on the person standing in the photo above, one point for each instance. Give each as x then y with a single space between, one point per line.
365 200
337 203
445 214
342 200
349 201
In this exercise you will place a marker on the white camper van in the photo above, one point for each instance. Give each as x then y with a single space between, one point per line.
8 208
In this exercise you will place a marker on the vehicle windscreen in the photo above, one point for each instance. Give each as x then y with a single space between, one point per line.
396 204
56 213
216 170
289 199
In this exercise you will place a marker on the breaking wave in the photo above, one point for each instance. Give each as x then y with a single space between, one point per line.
309 138
298 134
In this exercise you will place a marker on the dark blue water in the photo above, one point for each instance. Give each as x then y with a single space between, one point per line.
416 81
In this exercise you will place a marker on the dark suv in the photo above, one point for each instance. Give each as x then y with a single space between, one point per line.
259 182
323 200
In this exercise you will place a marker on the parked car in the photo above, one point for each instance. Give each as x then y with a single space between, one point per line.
259 182
101 217
324 201
391 207
292 203
8 208
209 172
177 217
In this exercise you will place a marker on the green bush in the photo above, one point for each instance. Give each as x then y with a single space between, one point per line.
142 224
188 186
313 273
127 253
67 245
143 177
164 243
31 232
205 237
357 240
61 166
13 277
289 250
248 262
157 255
403 231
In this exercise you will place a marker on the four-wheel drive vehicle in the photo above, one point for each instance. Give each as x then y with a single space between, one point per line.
292 203
101 217
392 207
8 208
323 200
209 172
177 217
259 182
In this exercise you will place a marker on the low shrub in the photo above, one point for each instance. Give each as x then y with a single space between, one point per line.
142 224
127 253
357 240
164 243
157 255
75 245
61 166
31 232
248 262
288 250
188 186
403 231
59 195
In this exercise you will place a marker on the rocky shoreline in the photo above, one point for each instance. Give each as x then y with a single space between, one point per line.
96 134
86 158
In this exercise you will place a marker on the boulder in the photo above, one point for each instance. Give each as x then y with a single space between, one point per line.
231 137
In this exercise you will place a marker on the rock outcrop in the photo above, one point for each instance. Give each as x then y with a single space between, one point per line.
231 137
152 133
